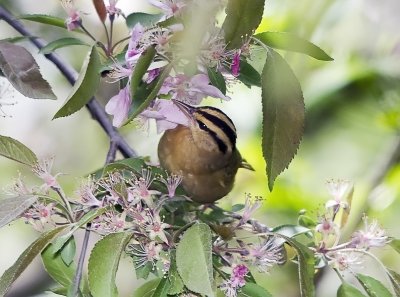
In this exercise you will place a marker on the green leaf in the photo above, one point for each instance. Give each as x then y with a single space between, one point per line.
59 43
194 261
15 150
283 115
306 263
145 19
162 289
141 67
85 86
395 279
372 286
68 251
22 71
44 19
291 42
306 221
12 207
395 244
217 80
62 240
242 18
103 264
248 75
290 230
253 290
176 283
237 207
147 289
347 290
56 267
12 273
153 94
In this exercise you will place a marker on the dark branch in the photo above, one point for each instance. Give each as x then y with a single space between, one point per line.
95 109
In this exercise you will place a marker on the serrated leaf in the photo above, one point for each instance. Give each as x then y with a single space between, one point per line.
56 267
372 286
12 273
17 151
283 115
44 19
253 290
147 289
217 79
145 19
395 279
141 67
194 259
153 94
248 75
85 86
22 71
62 240
60 43
347 290
242 18
306 263
12 207
103 264
100 9
68 251
291 42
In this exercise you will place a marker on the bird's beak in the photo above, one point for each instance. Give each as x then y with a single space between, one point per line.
187 109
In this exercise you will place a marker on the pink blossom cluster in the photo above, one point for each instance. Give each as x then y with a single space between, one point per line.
178 85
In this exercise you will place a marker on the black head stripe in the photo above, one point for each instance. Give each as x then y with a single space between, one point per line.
231 134
221 145
218 111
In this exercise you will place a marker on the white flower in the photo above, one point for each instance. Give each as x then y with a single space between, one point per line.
371 236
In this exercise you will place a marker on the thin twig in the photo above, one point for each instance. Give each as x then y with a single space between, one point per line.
95 109
81 261
111 152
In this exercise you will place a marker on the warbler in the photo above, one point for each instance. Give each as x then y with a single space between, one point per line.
204 153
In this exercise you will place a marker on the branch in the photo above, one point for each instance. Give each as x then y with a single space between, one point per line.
95 109
78 274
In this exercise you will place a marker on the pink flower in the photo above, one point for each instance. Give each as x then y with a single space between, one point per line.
327 227
250 206
155 227
265 255
371 236
74 20
171 182
167 115
42 169
135 48
119 106
169 7
191 90
112 9
86 194
235 64
338 190
145 253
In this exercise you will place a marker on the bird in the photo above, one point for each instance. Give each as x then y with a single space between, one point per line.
204 153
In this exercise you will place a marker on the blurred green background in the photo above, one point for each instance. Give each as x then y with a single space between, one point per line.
352 126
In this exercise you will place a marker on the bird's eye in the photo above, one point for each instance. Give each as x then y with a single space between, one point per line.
202 126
